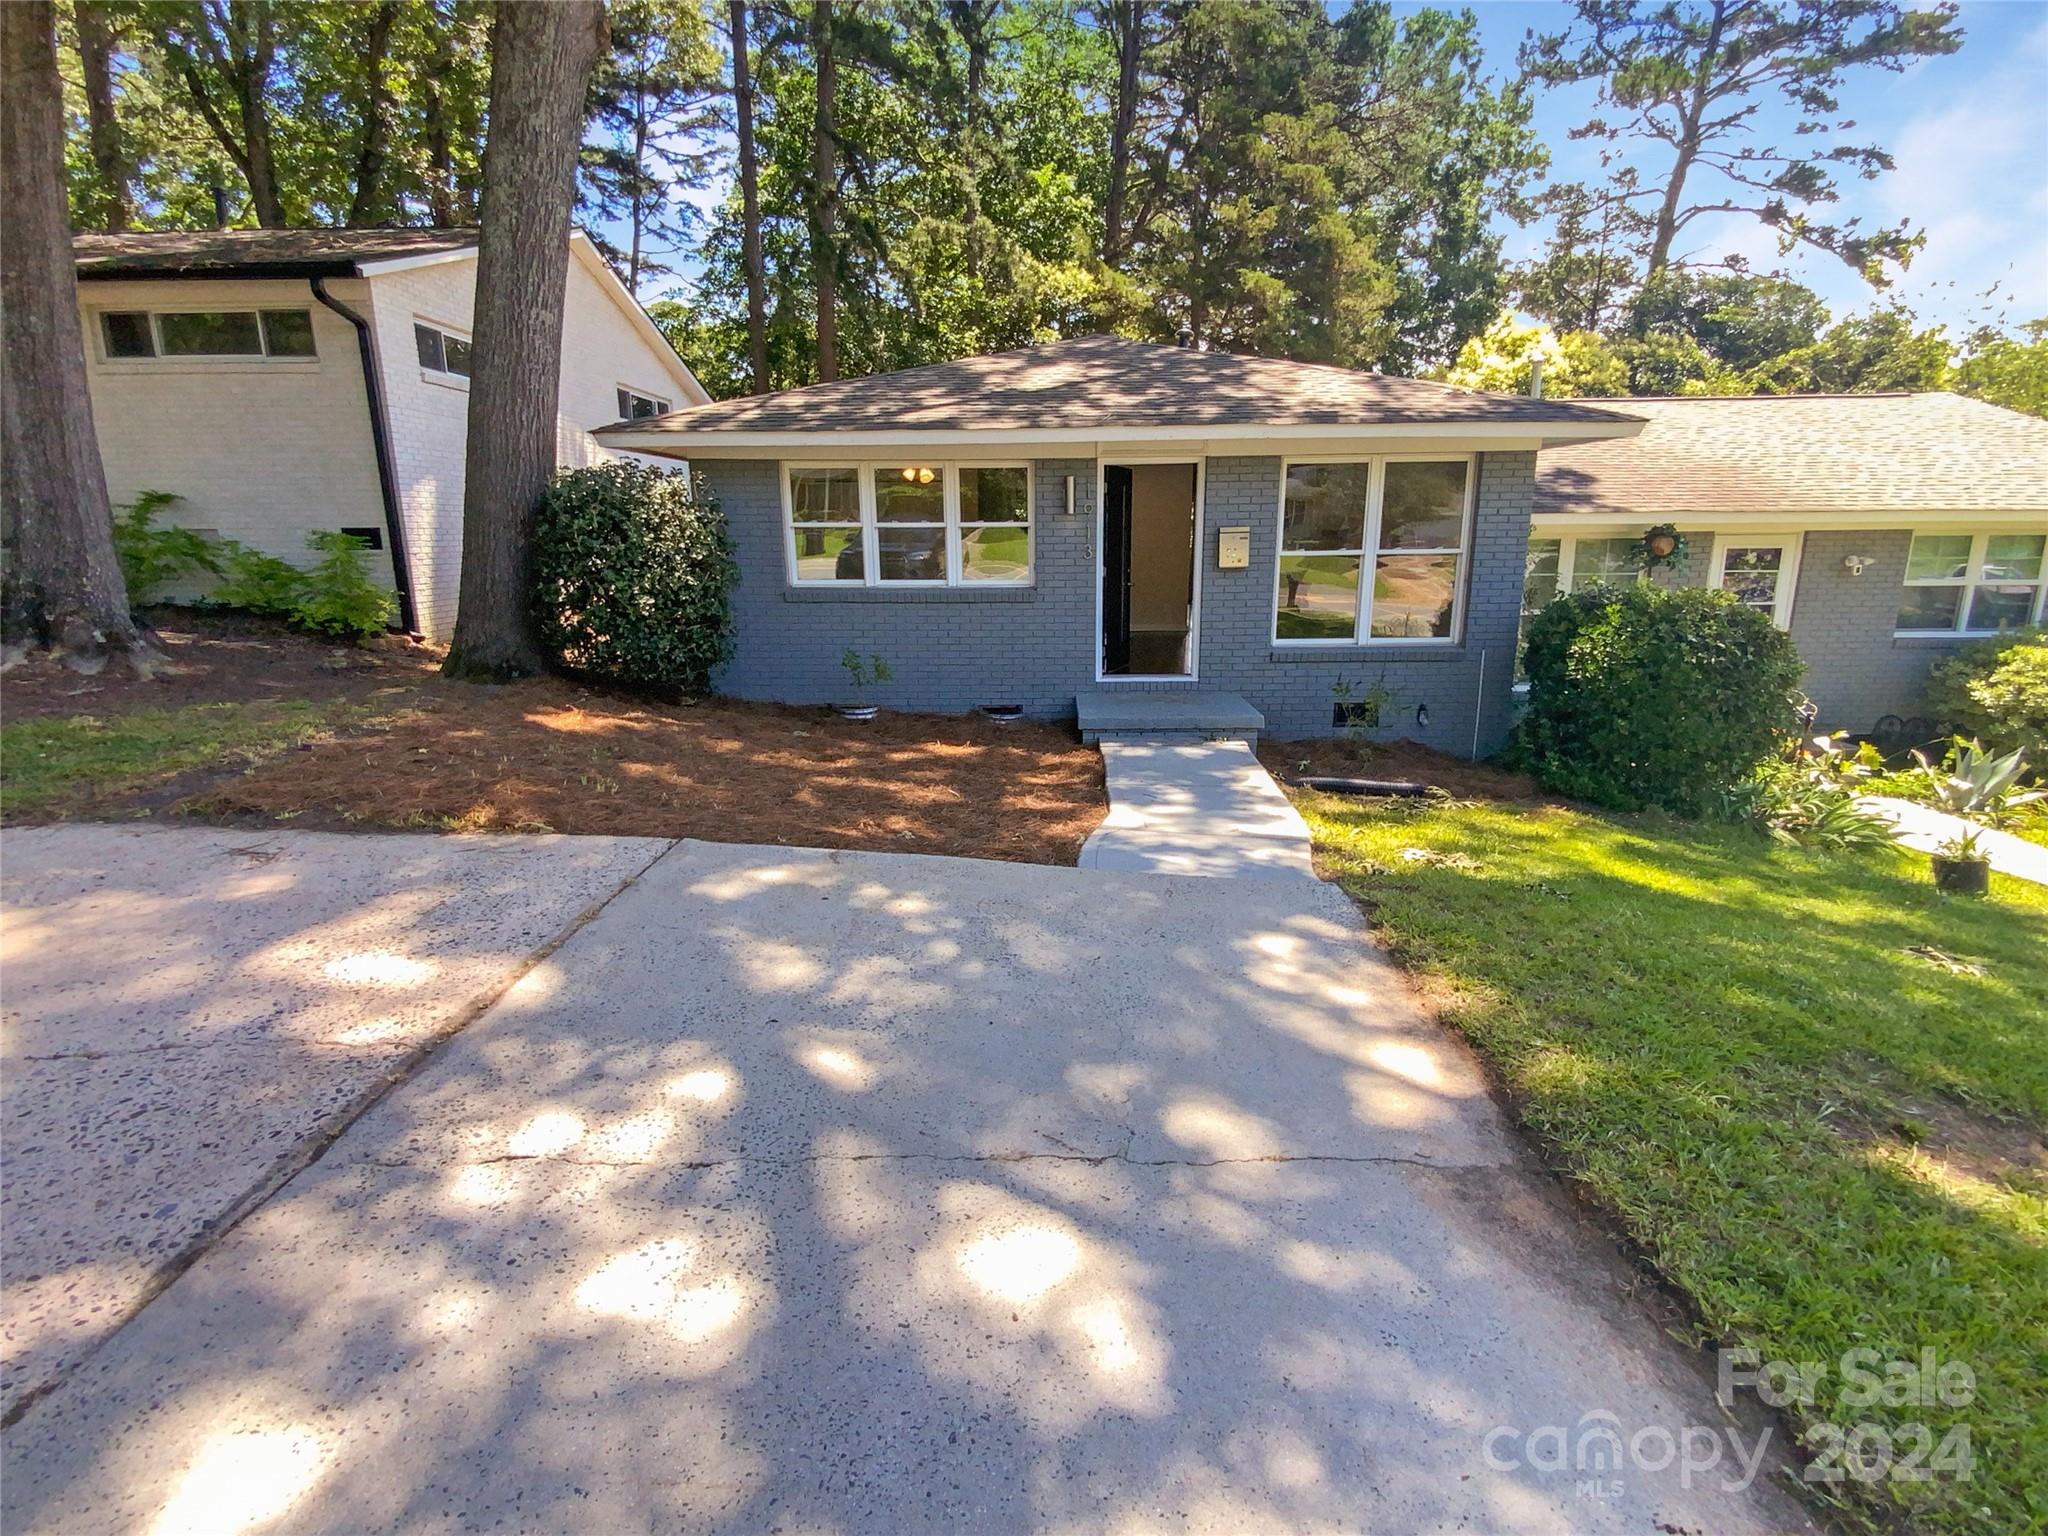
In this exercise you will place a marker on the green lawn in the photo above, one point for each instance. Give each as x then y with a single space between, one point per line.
1731 1045
63 763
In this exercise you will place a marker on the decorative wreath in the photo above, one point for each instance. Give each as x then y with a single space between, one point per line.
1661 545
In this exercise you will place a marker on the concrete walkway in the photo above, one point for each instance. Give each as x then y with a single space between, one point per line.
1179 807
878 1193
1923 827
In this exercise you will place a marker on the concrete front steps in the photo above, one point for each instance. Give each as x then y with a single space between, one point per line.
1109 714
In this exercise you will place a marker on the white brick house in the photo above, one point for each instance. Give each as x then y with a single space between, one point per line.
286 381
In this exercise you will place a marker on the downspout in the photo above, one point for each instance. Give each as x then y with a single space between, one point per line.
380 439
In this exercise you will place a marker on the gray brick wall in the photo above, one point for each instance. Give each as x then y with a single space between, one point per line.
954 649
1856 671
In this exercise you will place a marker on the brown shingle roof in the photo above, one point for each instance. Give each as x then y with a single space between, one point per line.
1104 382
1804 453
255 252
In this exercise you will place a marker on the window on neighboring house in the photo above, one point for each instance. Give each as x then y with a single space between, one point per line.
229 333
1404 520
1972 583
923 522
634 406
441 351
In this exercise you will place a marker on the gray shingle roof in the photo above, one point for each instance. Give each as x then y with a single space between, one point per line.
1104 382
255 252
1804 453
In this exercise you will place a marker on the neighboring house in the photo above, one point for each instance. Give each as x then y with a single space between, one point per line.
285 381
1095 518
1880 530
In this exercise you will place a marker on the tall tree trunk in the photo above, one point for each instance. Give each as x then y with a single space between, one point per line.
372 153
103 129
67 590
1688 144
440 137
642 182
252 35
825 192
1130 23
541 57
750 199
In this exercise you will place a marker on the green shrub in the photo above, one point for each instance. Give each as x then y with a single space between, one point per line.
1997 691
632 578
1642 696
337 598
257 582
152 557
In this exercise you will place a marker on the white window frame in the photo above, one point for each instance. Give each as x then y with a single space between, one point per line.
1375 496
1788 541
864 477
662 406
1971 579
154 313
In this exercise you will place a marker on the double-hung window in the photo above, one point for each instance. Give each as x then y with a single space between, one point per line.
923 522
128 334
1372 550
1972 583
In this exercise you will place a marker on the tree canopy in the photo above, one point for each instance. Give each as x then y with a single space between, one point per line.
887 184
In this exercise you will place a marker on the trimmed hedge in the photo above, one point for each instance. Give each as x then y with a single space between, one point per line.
632 578
1641 696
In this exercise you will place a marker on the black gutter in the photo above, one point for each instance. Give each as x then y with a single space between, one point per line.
387 478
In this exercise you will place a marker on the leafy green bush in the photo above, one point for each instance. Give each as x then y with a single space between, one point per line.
258 582
1807 796
152 557
1642 696
1997 691
337 598
632 578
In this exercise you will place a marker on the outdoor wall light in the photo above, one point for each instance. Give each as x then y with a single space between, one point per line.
1422 716
1854 564
1068 505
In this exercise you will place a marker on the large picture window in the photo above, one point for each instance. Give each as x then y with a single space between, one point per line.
914 522
1972 583
1372 550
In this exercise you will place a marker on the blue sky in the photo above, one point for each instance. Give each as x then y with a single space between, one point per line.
1969 133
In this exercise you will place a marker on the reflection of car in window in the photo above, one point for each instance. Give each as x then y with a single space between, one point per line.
897 564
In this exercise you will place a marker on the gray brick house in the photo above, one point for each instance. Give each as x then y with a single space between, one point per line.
1881 530
1091 519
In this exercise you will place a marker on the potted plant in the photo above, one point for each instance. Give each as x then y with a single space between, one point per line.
1978 787
865 674
1960 868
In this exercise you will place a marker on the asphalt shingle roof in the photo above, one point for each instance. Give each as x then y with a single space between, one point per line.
1803 453
1104 382
255 252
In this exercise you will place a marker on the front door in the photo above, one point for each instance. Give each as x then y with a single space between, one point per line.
1116 569
1148 569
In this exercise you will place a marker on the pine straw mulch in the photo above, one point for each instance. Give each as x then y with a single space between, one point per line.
551 756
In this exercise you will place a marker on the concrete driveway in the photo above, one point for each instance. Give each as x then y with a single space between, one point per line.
840 1192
